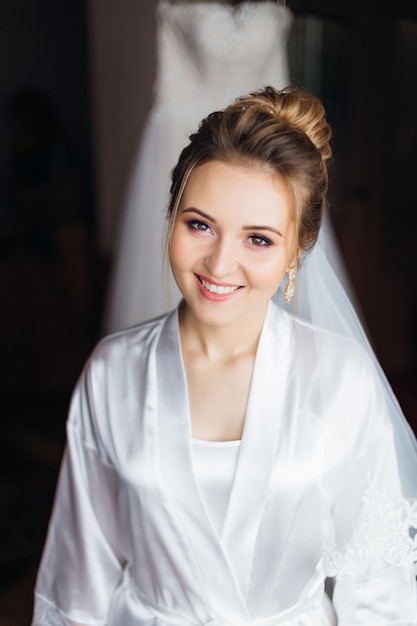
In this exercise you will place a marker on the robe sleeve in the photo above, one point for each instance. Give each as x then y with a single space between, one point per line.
81 564
373 524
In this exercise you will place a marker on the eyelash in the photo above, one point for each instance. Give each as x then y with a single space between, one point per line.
265 241
198 225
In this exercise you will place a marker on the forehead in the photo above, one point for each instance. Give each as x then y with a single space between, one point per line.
218 184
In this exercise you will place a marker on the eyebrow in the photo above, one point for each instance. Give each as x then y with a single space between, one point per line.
269 228
252 227
194 210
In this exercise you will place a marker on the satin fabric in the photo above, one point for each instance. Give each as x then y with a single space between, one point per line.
214 466
130 542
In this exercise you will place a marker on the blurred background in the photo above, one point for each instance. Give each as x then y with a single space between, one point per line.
76 82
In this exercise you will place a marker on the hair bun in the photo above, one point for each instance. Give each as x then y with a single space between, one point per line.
305 112
298 109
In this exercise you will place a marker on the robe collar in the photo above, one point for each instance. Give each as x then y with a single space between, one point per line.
225 561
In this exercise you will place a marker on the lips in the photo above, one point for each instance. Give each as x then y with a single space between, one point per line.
218 288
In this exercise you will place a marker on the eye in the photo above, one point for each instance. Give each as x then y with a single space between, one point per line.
197 225
259 241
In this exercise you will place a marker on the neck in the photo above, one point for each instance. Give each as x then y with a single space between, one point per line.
221 343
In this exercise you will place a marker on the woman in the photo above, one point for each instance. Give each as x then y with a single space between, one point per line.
226 459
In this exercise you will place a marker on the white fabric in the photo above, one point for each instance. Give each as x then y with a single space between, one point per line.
214 467
208 54
316 492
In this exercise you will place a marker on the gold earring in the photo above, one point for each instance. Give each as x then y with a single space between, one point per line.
290 286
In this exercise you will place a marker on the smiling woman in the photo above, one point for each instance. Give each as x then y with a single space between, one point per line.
225 460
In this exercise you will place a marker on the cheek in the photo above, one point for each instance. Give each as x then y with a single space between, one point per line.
273 278
270 273
176 251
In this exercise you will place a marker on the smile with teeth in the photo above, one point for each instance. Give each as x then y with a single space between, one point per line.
220 289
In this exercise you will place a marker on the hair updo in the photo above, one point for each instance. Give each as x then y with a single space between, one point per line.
284 132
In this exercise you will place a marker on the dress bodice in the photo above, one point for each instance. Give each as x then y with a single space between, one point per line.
215 465
211 52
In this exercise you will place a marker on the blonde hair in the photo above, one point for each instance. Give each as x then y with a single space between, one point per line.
284 132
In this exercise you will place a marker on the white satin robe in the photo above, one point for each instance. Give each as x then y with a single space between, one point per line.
130 541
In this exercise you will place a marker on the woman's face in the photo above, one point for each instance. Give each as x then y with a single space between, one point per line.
231 241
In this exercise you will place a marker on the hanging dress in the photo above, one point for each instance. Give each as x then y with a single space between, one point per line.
208 53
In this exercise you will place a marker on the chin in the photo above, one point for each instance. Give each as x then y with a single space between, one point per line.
218 316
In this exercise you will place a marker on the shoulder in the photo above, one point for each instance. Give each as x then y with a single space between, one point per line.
320 343
348 378
114 383
121 359
340 351
134 341
343 369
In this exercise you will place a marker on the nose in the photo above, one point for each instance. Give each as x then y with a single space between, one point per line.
222 259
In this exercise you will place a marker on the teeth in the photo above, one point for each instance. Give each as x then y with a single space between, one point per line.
220 289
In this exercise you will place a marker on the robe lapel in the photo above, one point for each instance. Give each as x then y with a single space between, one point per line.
258 447
178 480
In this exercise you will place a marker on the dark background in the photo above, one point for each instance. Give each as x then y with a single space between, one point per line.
75 87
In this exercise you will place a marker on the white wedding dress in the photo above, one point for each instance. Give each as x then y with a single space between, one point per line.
208 54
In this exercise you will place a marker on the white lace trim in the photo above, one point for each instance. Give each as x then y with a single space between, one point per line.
46 614
386 529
